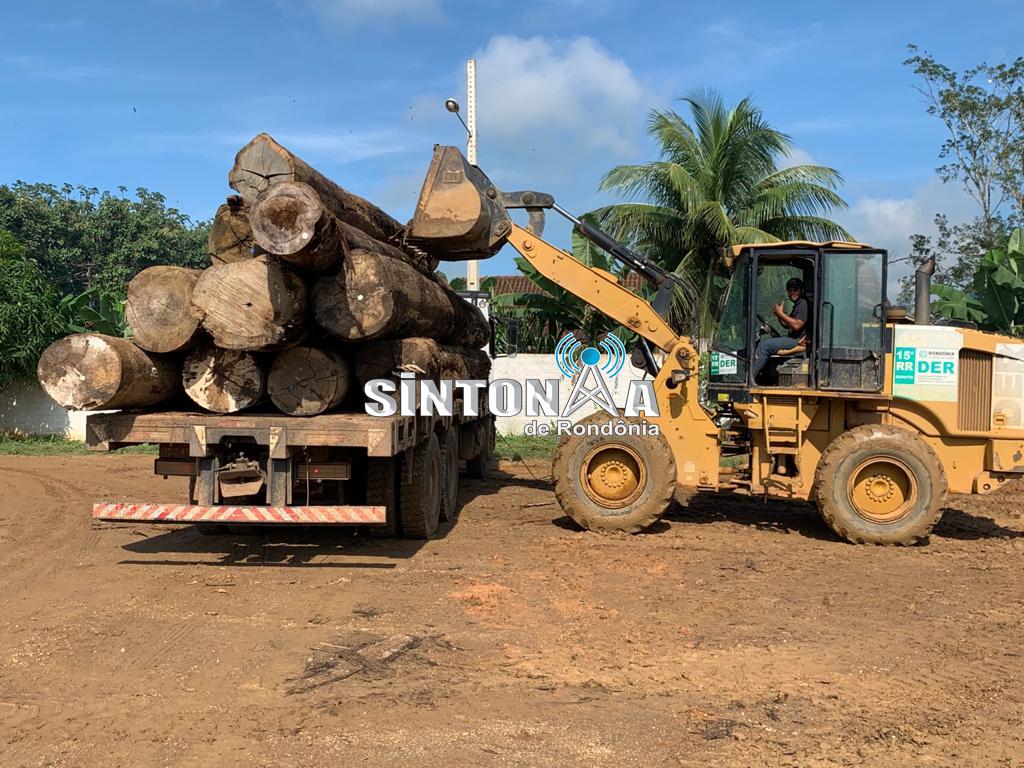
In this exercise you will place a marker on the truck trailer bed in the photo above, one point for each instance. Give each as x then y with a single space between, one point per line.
381 436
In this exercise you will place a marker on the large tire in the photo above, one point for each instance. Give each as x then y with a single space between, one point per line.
879 484
421 496
382 490
479 466
450 476
614 483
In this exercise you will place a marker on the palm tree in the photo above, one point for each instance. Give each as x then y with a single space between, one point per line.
717 182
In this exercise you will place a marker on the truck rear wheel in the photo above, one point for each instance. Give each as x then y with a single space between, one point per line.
421 495
479 466
382 491
614 482
450 479
879 484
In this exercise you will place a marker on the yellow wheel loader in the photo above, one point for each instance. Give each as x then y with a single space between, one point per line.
873 416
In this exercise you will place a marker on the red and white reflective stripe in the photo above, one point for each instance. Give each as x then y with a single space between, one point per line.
188 513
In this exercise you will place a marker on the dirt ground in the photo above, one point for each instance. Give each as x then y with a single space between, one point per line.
736 634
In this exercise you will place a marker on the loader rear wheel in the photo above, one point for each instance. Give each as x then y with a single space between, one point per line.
421 495
450 475
614 482
879 484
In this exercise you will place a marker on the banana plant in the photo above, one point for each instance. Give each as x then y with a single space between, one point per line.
95 312
995 300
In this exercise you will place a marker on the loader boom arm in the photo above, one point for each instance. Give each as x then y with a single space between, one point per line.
598 288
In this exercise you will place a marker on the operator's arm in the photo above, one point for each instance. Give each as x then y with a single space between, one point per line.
795 322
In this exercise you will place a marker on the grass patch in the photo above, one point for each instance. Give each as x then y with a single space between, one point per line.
525 447
56 445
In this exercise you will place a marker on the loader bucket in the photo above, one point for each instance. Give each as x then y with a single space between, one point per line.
459 214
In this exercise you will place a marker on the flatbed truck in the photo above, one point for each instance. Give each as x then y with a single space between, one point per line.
396 475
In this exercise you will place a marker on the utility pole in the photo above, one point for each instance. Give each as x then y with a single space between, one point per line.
472 267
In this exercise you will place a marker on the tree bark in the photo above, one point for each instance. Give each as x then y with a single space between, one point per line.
230 235
251 305
263 162
424 357
223 380
375 297
305 381
90 371
290 220
159 308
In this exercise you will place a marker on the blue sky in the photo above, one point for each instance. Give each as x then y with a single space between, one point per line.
161 93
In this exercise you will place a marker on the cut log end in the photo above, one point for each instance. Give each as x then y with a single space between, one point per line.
305 381
230 237
284 218
159 308
223 380
90 371
251 305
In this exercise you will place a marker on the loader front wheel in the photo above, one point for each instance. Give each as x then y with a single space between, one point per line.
879 484
614 482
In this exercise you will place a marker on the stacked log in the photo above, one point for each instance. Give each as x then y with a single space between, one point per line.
90 371
311 289
159 309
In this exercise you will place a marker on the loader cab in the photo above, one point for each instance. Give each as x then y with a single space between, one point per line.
844 285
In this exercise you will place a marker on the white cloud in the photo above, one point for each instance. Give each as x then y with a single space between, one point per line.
352 13
796 157
888 222
529 86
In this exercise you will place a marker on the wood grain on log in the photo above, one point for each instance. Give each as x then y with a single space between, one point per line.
159 308
305 381
230 234
90 371
375 297
290 220
223 380
251 305
263 162
424 357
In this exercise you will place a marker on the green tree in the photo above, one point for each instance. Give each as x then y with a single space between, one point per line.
982 111
994 300
29 320
84 240
545 317
717 182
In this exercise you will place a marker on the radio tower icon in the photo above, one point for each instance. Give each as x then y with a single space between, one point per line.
583 392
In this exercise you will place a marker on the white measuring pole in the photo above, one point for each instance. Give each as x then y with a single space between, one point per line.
472 267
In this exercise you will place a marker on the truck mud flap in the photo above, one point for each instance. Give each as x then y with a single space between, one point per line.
189 513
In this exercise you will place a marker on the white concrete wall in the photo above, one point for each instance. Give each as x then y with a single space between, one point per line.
522 367
26 409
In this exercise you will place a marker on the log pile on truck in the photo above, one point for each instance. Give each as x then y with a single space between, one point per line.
311 291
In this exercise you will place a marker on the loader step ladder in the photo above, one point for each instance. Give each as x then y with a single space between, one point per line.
781 441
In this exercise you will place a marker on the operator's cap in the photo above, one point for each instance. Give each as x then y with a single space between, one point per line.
795 284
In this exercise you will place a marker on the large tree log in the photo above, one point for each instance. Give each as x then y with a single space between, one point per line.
305 381
159 308
223 380
290 220
263 162
424 357
251 305
230 234
375 297
90 371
